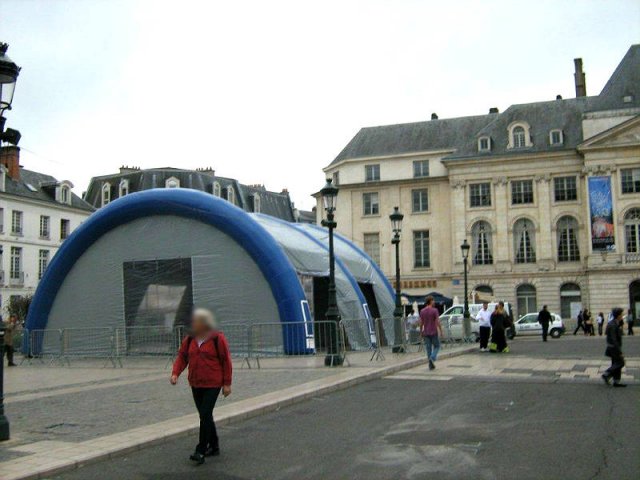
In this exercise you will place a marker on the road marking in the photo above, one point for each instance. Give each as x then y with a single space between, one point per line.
423 377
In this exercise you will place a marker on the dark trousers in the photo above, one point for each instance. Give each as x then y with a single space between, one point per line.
615 370
205 399
498 337
545 331
630 328
599 329
580 326
485 333
9 349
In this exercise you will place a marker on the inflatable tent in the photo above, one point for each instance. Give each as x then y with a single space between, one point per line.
146 259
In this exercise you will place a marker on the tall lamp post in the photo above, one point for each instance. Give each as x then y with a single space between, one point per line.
334 358
465 247
8 76
398 333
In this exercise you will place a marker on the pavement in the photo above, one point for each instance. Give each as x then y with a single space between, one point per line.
66 417
471 418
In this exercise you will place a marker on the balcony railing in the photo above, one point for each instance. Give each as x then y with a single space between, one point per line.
16 279
632 258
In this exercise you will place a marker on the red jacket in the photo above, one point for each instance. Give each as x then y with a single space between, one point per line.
208 368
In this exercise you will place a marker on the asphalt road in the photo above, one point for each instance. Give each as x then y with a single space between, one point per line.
424 429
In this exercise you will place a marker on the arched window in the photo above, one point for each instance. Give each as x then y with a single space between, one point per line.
256 203
482 247
519 137
568 250
172 182
527 299
216 189
124 187
231 195
106 193
524 238
65 195
570 300
632 230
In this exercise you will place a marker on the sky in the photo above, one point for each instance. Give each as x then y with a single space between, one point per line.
269 92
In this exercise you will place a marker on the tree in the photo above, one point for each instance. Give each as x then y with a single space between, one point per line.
19 306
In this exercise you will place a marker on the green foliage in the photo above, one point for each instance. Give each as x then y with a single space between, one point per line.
19 306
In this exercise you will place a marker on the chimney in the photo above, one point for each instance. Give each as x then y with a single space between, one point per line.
558 97
10 158
580 79
434 116
494 110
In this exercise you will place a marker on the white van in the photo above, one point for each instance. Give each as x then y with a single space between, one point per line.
452 319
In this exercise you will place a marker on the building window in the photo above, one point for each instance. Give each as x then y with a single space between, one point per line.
556 137
43 262
172 182
106 194
421 247
1 220
16 222
565 189
570 300
256 203
370 203
420 200
124 188
420 168
527 299
231 195
519 137
65 226
521 192
217 191
484 144
15 268
372 246
480 194
630 180
65 195
632 230
45 223
568 250
524 241
335 178
371 173
481 233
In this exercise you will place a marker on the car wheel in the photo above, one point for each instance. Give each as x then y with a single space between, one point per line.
555 333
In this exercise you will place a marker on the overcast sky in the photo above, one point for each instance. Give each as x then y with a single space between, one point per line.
271 91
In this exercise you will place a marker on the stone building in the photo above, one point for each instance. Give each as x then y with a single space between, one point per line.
546 193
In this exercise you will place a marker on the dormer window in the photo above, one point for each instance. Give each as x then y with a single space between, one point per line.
519 136
556 137
256 203
124 187
231 195
62 191
106 193
217 191
484 144
172 182
65 194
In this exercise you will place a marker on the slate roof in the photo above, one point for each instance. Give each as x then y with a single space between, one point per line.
460 135
43 189
271 203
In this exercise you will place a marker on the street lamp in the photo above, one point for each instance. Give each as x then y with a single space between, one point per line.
334 358
8 76
396 226
465 247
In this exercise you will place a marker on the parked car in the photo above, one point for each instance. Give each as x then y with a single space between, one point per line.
453 320
528 325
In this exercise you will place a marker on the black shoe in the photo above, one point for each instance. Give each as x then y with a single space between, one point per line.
197 457
212 452
12 365
606 379
621 385
431 365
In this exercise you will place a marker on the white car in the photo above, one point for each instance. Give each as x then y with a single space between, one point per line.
453 320
528 325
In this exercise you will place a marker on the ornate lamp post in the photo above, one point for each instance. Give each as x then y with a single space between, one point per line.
334 358
465 247
398 332
8 76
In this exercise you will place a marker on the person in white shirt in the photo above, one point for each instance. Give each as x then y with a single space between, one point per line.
484 319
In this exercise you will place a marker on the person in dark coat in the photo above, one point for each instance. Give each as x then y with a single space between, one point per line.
614 348
629 322
500 322
206 352
544 319
580 324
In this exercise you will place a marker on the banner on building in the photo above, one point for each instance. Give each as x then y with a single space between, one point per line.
601 209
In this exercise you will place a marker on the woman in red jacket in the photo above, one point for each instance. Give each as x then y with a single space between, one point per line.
206 352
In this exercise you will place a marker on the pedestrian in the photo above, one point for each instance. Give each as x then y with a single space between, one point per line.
544 319
629 322
10 327
614 348
580 324
484 320
499 323
588 323
206 352
600 322
430 327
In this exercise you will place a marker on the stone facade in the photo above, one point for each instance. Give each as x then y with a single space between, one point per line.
516 186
